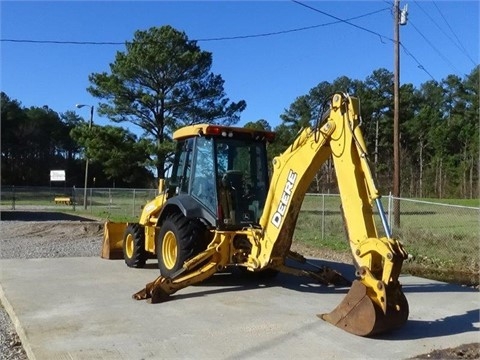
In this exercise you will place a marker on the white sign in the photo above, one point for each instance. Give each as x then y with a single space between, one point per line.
57 175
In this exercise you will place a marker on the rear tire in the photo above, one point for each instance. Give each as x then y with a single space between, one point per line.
134 246
178 240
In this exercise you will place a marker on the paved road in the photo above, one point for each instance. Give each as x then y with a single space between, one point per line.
80 308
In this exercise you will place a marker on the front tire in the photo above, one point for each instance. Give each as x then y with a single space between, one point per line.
178 240
134 246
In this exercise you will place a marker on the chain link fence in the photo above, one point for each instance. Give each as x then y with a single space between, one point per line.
441 239
115 203
106 203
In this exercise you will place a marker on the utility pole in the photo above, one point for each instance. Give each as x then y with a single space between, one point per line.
396 101
399 18
86 157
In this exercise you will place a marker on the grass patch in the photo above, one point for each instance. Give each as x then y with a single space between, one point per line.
458 202
450 275
443 241
102 214
309 231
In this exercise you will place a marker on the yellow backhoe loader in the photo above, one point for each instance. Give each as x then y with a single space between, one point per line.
218 209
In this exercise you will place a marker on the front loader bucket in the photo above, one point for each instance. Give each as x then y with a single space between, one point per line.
112 247
360 315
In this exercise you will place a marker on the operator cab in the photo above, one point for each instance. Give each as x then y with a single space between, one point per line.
223 171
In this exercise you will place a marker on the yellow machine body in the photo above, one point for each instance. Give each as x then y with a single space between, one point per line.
375 302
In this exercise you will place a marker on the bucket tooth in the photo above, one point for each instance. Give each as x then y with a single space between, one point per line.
360 315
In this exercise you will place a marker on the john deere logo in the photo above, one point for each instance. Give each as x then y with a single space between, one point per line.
277 218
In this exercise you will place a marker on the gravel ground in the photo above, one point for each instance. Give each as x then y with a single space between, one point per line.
26 235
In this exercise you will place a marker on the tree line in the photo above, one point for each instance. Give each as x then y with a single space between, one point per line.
163 81
36 140
439 132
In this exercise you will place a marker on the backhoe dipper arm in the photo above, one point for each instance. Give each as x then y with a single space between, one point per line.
378 260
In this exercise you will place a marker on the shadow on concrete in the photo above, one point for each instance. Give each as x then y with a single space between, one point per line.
40 216
234 280
436 288
421 329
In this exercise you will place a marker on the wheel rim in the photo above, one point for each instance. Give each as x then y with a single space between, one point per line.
129 245
169 250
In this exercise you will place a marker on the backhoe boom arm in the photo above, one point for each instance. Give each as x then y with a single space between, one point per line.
378 259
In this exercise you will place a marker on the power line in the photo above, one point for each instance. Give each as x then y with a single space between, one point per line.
419 65
457 43
293 30
434 48
338 20
343 21
454 34
61 42
274 33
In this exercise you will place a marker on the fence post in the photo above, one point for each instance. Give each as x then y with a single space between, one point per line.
390 210
91 195
323 217
73 197
133 208
13 197
109 200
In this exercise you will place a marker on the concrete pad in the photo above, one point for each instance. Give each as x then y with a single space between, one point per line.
81 308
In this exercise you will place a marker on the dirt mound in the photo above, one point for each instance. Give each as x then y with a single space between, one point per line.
467 351
64 228
39 239
53 229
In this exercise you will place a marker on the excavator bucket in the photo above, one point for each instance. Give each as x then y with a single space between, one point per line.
360 315
112 247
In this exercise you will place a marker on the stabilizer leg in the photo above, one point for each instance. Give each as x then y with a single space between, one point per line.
194 271
162 287
323 274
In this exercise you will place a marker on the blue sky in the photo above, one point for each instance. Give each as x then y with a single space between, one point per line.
268 72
